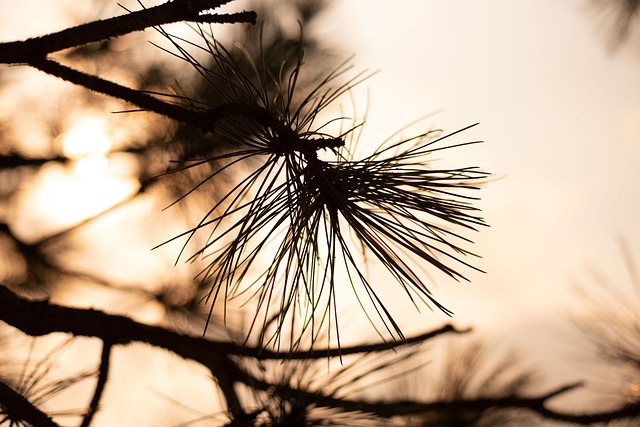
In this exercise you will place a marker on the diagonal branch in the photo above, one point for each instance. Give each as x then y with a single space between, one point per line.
204 120
34 51
135 97
25 51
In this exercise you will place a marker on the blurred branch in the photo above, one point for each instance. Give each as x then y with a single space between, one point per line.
536 404
37 318
16 408
24 52
620 18
225 371
387 409
12 161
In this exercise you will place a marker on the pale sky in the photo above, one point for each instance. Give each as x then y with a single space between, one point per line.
560 115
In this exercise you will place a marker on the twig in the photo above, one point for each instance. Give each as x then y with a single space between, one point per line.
135 97
103 373
224 371
384 346
393 408
204 120
37 318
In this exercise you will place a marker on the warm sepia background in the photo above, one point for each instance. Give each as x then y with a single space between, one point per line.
558 107
560 113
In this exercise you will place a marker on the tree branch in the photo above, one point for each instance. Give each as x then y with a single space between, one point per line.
205 120
387 409
41 317
103 373
225 372
135 97
37 318
34 51
25 51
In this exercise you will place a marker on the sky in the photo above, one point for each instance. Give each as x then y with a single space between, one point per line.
559 114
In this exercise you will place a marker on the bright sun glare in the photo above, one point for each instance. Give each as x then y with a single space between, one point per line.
88 144
67 195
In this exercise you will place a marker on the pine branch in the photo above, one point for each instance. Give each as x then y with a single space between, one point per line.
26 51
537 404
37 318
41 318
33 52
388 409
203 120
16 408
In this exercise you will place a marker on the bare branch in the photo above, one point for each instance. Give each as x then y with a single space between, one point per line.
24 52
37 318
204 120
387 409
41 318
103 373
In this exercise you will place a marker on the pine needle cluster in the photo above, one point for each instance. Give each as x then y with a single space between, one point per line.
306 217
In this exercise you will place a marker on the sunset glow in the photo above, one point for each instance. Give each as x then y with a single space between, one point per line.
87 143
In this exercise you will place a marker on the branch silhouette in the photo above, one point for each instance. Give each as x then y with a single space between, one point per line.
38 318
103 373
34 52
26 51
